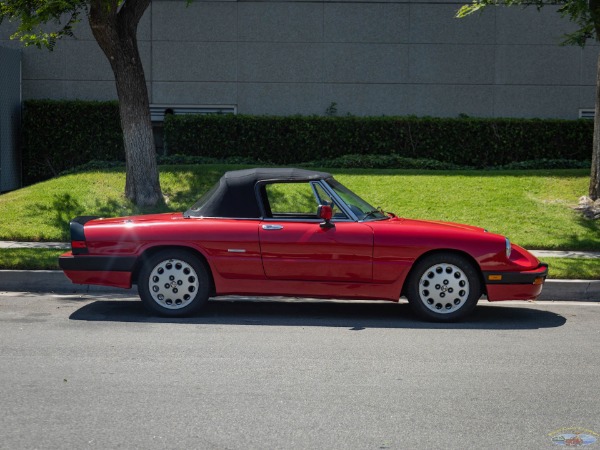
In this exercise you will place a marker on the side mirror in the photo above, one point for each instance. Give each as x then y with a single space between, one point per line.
325 212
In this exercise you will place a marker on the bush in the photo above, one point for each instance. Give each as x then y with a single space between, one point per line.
345 162
383 162
58 135
472 142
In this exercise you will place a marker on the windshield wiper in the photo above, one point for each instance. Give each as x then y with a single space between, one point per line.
372 213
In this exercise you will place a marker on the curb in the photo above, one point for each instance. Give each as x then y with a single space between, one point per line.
56 281
47 281
571 290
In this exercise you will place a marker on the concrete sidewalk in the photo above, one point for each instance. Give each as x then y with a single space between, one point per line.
55 245
541 254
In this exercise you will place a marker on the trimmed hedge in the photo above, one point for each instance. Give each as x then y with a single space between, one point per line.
347 162
464 141
58 135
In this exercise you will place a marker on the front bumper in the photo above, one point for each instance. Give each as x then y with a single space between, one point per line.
525 285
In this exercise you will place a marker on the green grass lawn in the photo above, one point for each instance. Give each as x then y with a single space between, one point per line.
42 212
571 268
29 258
533 208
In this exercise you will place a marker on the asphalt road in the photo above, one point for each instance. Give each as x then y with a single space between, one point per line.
97 372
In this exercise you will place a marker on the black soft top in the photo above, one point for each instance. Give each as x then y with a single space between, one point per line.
235 194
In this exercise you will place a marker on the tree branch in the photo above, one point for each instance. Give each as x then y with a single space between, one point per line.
132 11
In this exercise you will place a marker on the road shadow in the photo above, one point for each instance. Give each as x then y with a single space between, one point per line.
300 313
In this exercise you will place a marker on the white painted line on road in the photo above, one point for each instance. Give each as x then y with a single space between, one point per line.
541 303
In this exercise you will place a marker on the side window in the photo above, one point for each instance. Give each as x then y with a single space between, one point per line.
324 199
292 200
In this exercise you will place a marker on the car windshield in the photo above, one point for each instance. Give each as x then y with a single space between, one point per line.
357 205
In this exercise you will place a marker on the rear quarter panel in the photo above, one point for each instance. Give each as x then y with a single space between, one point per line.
212 238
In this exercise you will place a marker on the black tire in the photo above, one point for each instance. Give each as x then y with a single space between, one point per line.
173 283
443 287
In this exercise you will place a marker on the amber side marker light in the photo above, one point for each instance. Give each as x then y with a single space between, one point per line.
538 280
495 277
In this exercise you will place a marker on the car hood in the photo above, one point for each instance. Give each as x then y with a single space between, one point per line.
431 225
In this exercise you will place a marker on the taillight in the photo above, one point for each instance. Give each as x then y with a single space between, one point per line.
79 247
78 242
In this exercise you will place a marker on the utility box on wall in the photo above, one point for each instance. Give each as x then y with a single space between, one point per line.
10 119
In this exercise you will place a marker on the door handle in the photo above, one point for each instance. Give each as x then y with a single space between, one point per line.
272 227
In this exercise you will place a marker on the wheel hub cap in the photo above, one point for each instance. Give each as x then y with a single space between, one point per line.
173 284
444 288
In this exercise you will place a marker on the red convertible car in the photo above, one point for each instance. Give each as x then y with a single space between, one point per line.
300 233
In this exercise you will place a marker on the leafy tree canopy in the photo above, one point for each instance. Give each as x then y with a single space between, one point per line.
33 16
581 12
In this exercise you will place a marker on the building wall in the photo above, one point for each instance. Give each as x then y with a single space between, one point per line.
369 57
10 119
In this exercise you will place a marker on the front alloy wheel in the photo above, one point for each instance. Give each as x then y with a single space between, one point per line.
444 287
173 283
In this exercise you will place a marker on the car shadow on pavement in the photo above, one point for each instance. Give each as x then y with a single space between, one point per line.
300 313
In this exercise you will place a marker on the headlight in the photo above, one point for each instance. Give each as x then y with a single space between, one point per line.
508 248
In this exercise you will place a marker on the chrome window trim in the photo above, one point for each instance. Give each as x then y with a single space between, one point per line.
337 202
337 199
257 219
276 219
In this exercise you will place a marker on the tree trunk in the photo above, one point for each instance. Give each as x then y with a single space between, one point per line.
595 176
115 31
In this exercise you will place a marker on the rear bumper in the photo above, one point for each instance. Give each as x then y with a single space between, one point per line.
99 270
526 285
114 279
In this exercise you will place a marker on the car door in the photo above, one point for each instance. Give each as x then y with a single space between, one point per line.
295 247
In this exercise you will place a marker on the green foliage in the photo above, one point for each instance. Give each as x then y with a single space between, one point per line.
331 110
574 268
33 17
398 162
355 161
58 135
29 259
579 12
582 13
186 159
544 164
459 142
346 162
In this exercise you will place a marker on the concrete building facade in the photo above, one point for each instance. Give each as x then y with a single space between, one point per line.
10 119
367 57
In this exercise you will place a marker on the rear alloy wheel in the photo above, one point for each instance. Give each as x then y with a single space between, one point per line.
173 283
443 287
